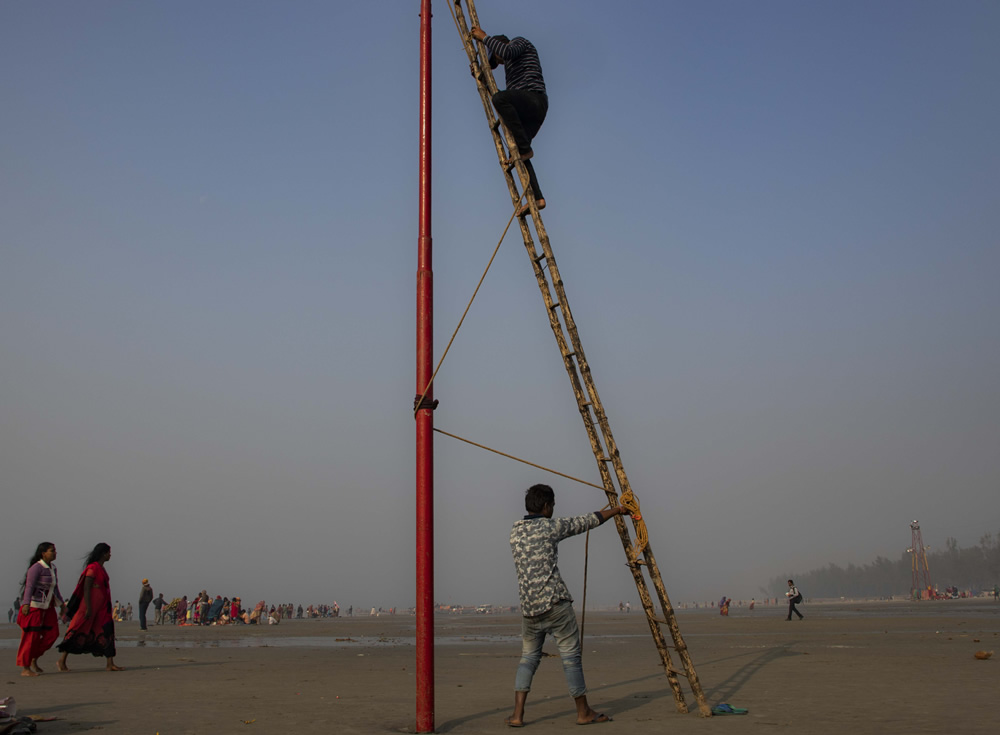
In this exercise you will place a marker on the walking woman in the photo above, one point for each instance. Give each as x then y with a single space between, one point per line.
92 629
37 613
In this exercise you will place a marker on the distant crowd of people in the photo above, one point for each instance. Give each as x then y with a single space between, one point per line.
203 610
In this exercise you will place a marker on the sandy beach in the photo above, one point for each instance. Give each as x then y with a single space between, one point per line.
848 667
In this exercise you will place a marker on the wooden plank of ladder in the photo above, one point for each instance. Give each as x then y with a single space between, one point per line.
568 340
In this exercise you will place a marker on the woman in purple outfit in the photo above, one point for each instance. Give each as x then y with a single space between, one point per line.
37 613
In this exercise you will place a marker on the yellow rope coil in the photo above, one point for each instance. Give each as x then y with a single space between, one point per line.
631 503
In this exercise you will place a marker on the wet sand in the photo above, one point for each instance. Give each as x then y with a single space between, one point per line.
855 668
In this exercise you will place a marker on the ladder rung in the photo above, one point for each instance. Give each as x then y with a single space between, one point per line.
675 672
554 306
568 355
539 258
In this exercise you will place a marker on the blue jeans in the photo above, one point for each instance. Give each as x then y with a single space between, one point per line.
560 623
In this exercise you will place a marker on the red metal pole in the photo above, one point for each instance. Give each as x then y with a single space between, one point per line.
425 416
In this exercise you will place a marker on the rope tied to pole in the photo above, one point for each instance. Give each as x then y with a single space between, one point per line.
420 402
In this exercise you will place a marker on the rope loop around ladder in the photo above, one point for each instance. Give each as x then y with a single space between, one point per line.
631 503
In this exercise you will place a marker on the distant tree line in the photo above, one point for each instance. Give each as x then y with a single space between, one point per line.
973 569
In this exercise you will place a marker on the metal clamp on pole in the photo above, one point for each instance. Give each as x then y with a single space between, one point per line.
421 402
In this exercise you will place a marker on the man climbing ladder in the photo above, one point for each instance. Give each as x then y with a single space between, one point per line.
524 104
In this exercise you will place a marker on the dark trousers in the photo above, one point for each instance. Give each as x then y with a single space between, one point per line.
523 113
792 608
143 607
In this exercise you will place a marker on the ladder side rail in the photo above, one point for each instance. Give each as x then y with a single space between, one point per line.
654 627
477 53
579 390
646 602
675 633
614 455
645 599
584 367
610 446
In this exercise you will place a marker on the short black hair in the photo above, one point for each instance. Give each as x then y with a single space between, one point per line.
493 59
537 497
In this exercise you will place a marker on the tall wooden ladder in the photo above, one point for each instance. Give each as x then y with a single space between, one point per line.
589 403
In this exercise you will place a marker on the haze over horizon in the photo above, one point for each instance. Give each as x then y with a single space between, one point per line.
777 226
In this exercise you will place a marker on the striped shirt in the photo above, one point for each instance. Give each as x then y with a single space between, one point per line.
520 63
534 542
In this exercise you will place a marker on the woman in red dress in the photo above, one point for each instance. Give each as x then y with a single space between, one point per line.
37 611
92 628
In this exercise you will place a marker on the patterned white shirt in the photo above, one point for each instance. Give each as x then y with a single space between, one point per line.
534 542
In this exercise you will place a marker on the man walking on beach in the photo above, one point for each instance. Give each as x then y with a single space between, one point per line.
524 104
794 598
159 603
145 597
546 605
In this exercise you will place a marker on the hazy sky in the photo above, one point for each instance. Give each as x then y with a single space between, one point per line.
776 221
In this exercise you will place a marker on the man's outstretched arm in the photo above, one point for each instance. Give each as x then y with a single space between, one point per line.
609 513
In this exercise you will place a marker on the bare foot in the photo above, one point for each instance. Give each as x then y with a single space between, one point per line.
592 718
28 672
112 667
525 210
511 722
510 161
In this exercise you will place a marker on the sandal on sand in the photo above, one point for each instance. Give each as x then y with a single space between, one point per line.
510 723
726 709
598 717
